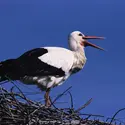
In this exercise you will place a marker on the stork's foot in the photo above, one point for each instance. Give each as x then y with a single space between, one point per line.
47 98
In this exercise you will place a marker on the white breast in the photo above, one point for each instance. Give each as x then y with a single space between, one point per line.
45 82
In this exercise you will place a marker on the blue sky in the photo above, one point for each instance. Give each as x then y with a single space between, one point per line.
28 24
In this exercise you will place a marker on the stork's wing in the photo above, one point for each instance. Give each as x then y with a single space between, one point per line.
46 61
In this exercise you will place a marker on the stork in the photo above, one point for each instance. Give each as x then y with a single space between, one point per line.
48 67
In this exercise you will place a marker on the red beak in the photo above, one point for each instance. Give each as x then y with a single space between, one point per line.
86 43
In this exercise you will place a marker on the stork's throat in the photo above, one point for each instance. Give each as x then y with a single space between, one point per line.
79 62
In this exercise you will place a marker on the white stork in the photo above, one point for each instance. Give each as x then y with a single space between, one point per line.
48 67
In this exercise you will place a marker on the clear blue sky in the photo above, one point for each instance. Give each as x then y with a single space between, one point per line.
28 24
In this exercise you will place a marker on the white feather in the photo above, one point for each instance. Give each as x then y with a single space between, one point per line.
58 57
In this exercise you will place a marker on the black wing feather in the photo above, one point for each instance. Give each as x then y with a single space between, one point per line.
28 64
32 66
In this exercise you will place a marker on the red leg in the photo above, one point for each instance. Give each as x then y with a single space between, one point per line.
47 98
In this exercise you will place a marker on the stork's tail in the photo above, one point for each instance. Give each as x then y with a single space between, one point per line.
7 69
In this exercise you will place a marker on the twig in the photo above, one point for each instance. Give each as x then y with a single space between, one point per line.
116 114
86 104
71 99
8 107
60 95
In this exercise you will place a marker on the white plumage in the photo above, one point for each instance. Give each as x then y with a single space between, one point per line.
55 58
48 66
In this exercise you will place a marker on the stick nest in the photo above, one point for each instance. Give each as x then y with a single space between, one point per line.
17 109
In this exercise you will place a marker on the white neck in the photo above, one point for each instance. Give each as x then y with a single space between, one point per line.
75 47
79 60
72 44
81 53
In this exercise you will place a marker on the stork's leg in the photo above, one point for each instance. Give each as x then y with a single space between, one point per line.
47 98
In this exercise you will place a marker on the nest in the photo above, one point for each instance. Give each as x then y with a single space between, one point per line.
17 109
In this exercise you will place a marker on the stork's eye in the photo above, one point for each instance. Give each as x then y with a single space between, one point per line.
80 34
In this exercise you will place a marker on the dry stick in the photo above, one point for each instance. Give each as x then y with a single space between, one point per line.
60 95
110 119
92 115
116 114
3 82
3 95
16 94
71 99
8 107
19 90
12 93
82 107
15 102
118 120
31 93
33 113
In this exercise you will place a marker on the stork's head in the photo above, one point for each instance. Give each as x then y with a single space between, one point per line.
78 40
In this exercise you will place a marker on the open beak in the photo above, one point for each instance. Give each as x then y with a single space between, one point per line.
86 43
